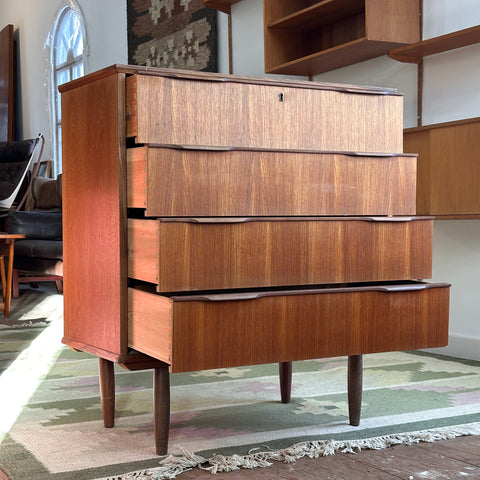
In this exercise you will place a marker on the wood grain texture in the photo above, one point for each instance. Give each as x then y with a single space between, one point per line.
400 461
307 38
94 216
232 330
107 391
298 15
143 250
131 70
269 183
295 327
137 177
183 112
450 41
294 251
448 169
393 21
288 246
150 324
7 84
419 141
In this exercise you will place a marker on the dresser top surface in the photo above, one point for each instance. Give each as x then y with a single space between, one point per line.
219 77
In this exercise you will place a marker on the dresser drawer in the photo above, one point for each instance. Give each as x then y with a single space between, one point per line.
216 253
229 112
172 183
196 332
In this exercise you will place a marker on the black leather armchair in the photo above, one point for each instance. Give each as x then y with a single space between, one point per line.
16 158
39 257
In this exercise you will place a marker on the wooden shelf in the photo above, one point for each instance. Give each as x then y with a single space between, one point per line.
319 14
415 52
337 57
448 168
221 5
307 37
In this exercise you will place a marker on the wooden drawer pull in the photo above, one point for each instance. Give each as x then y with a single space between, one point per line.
409 288
231 148
390 288
217 220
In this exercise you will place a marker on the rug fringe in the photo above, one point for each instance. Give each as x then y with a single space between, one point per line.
172 466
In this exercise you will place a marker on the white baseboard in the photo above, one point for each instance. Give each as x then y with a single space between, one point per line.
460 346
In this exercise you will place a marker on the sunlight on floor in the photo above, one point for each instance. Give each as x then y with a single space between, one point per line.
20 380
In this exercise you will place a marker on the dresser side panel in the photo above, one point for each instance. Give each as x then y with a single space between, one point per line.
94 237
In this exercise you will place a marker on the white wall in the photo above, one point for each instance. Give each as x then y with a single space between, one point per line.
106 26
451 82
450 92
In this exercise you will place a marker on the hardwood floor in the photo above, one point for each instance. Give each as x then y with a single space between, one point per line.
457 459
454 459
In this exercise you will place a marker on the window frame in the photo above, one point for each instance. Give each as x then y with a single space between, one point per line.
69 66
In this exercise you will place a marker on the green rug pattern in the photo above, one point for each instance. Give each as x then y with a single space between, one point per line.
54 428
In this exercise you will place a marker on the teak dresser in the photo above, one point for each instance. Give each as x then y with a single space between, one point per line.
213 221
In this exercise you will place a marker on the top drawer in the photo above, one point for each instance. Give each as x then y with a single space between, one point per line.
213 113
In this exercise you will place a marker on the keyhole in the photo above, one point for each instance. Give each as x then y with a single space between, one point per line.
281 97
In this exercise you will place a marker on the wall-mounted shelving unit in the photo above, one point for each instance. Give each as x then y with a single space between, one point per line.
448 185
310 37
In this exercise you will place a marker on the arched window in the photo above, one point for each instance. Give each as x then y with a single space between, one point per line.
68 55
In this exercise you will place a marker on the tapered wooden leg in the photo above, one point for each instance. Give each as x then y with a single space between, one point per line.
59 285
355 378
15 289
161 405
8 296
285 370
3 277
107 392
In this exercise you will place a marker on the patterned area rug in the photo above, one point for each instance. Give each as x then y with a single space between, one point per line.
51 422
36 307
172 34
